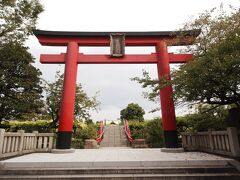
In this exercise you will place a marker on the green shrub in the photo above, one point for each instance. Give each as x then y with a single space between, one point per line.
150 130
154 133
42 126
84 132
137 129
87 132
5 125
183 125
78 143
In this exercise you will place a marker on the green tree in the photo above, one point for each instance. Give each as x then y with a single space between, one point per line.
17 19
20 85
83 103
213 77
132 112
203 119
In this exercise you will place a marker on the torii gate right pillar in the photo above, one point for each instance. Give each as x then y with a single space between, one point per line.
167 104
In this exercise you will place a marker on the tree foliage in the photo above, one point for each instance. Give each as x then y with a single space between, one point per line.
203 119
132 112
17 19
83 103
20 85
213 77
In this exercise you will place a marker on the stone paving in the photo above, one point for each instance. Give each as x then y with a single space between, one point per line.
114 157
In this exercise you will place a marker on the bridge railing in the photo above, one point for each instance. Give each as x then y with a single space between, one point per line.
18 143
127 130
217 142
100 132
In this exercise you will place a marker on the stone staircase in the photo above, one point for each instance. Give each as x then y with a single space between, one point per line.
120 163
141 173
114 136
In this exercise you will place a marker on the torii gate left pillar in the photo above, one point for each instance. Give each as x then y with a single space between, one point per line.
68 98
162 58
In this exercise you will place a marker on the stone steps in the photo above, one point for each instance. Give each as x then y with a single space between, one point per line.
120 163
132 170
114 136
130 176
206 172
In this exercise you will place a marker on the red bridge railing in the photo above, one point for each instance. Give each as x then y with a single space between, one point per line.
100 132
127 130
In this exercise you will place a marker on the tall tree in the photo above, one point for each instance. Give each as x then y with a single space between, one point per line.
132 112
213 77
83 103
17 19
20 85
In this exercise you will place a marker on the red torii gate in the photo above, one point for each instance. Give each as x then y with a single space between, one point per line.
73 40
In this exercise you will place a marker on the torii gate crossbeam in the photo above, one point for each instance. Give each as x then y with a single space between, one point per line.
73 40
107 59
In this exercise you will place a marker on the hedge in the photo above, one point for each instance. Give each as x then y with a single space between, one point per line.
42 126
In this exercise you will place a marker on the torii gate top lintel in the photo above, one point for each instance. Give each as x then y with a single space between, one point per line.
61 38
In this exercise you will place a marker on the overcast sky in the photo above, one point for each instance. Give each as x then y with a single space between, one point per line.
113 81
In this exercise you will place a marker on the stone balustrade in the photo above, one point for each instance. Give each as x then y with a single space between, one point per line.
217 142
18 143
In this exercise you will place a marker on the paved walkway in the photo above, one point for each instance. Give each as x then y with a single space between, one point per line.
113 157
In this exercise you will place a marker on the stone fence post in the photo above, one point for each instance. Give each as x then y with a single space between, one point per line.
233 141
21 140
35 140
210 137
184 140
2 132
